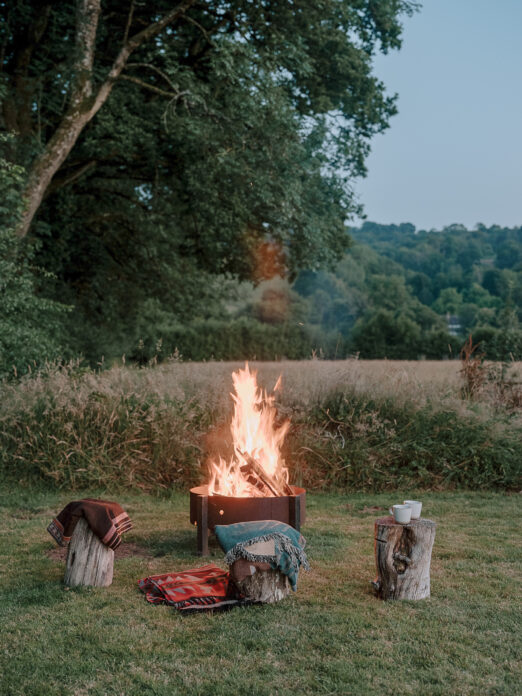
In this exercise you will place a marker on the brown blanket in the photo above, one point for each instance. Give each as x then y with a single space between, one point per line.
107 520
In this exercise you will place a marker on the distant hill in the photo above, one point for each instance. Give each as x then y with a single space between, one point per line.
404 293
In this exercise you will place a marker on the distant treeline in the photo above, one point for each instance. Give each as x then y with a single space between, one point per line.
397 293
402 293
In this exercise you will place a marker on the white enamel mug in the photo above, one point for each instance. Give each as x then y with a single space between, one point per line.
401 513
416 507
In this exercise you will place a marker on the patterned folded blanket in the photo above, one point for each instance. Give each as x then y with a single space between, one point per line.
265 541
107 520
208 588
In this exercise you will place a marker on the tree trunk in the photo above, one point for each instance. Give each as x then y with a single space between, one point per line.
47 164
89 562
265 586
402 557
84 105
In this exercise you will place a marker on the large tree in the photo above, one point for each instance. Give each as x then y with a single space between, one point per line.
190 137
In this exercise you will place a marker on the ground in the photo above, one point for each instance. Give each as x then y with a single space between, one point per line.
331 637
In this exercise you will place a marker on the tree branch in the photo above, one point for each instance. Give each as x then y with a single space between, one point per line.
202 29
129 22
148 86
132 44
71 178
174 87
83 106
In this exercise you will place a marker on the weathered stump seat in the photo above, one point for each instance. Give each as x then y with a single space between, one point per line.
266 586
403 557
89 562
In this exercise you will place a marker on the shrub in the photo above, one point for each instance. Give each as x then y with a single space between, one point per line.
241 339
29 323
354 442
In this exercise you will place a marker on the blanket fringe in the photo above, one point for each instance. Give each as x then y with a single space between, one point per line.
297 555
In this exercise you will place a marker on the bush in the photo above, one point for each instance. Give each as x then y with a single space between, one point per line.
74 432
358 443
240 339
29 324
499 344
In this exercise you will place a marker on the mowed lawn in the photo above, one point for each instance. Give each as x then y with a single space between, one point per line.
331 637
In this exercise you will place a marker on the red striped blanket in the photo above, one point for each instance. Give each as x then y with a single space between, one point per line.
208 588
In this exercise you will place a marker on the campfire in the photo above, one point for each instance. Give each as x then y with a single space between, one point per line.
252 482
256 467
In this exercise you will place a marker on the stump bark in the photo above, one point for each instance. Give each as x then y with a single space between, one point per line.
403 557
265 586
89 562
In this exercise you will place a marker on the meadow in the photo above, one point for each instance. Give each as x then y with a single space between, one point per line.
355 425
364 435
331 637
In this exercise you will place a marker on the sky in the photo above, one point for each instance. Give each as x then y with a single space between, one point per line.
453 154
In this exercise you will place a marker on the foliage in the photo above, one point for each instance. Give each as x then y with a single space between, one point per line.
29 323
232 137
359 443
238 339
456 270
391 294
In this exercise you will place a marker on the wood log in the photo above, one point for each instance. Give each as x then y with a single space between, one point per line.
89 562
253 469
267 586
402 557
249 472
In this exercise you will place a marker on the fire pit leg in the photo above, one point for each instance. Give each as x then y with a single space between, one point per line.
294 503
202 524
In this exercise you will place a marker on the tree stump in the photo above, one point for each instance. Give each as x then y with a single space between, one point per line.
402 557
265 586
89 562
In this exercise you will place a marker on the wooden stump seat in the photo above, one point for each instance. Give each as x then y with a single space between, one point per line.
267 586
89 562
403 557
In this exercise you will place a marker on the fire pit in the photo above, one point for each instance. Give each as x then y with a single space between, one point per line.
208 510
252 484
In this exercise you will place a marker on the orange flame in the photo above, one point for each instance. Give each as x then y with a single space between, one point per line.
254 433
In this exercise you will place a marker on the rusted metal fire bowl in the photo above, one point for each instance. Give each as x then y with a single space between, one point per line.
208 510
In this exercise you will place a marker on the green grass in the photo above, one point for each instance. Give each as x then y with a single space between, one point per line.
331 637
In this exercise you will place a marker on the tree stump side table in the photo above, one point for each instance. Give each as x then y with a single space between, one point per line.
403 557
89 562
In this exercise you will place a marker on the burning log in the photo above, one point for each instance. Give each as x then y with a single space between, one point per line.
254 429
259 478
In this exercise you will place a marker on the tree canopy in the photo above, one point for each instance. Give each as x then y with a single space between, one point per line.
167 143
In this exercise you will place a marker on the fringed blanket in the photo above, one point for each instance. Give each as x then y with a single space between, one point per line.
106 519
208 588
265 541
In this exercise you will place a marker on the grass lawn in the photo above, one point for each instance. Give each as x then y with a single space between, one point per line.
331 637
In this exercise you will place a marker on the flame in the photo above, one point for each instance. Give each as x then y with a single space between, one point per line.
254 433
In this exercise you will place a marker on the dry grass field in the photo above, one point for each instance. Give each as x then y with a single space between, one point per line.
303 381
356 425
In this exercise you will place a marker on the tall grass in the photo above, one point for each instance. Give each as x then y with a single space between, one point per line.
355 425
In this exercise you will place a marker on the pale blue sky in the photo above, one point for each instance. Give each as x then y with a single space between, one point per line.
453 154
